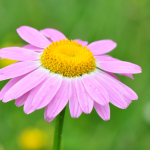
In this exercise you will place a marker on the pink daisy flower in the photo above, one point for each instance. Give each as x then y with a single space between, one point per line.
53 70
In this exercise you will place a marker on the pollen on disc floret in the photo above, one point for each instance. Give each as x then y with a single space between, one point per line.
68 58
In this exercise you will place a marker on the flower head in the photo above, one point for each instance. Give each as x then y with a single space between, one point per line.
53 70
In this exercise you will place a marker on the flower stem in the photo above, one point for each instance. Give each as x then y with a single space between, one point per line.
58 130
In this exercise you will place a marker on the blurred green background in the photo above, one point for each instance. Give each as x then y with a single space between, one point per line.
126 22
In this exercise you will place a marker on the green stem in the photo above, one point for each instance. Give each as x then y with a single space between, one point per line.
58 130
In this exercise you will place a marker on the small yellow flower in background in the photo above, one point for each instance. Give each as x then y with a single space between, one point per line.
33 139
39 137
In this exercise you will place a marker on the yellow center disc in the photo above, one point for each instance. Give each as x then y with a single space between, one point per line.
68 58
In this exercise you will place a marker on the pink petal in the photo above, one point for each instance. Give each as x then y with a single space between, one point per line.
128 100
103 111
111 74
53 34
74 106
84 43
17 53
105 58
109 58
115 96
127 74
26 84
84 99
21 100
131 94
119 67
18 69
46 116
34 48
101 47
33 36
95 90
47 91
114 82
28 107
58 102
10 84
122 88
